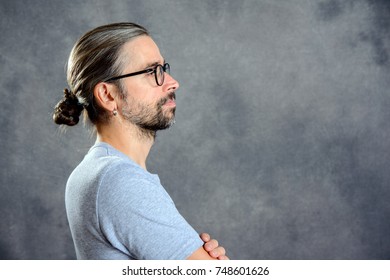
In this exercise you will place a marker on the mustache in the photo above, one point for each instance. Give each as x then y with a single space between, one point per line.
171 95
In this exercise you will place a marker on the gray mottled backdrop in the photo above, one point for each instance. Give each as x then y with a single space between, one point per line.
281 148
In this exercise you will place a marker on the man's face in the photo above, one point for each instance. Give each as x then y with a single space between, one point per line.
147 105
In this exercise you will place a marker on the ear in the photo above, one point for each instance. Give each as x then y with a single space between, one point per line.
104 94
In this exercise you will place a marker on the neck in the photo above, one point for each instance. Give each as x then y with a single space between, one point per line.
131 140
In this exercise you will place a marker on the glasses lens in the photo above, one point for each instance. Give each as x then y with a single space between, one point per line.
159 75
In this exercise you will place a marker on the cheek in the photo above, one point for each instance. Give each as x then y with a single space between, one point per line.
139 105
140 91
143 92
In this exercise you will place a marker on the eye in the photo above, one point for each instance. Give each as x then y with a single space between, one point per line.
149 71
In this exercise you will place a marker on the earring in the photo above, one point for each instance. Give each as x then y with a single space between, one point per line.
115 112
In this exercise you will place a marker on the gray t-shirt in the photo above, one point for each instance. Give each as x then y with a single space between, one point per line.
118 210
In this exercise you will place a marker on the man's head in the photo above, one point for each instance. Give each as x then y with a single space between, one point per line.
98 75
147 88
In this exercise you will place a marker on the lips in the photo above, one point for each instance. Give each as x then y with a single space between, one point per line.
170 100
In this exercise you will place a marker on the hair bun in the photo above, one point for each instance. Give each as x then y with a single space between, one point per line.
68 110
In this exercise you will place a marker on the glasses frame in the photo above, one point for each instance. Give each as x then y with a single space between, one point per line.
165 68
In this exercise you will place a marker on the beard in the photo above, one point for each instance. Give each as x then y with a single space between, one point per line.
149 117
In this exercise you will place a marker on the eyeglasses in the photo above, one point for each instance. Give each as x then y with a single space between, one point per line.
158 71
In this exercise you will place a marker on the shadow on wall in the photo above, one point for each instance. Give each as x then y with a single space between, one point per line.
377 36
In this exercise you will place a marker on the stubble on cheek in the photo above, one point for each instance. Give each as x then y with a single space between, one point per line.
150 117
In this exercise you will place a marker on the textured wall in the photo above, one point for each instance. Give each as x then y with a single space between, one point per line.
281 148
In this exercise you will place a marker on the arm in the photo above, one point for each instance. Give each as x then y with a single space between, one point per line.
200 254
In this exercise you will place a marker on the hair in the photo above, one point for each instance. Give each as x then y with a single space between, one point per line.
94 58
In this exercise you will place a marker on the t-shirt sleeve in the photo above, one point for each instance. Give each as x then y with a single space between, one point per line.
138 217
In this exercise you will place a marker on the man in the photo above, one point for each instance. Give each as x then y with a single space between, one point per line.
115 207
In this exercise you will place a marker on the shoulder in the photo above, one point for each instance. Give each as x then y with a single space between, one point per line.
126 173
112 166
124 181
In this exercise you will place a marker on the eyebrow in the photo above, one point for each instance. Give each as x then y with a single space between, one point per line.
150 65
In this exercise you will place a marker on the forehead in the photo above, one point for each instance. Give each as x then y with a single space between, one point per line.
140 53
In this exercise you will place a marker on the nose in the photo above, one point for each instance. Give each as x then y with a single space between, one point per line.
170 84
